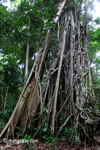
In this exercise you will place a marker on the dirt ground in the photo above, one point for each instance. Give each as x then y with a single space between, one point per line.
38 145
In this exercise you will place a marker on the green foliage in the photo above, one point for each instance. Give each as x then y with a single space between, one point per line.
28 144
69 134
52 141
45 109
45 130
97 20
27 137
4 117
70 4
48 137
19 130
93 51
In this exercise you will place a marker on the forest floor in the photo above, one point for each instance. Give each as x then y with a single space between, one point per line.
38 145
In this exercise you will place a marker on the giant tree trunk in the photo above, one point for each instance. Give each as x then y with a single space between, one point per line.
63 91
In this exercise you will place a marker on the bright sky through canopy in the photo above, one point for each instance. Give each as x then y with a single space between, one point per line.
96 11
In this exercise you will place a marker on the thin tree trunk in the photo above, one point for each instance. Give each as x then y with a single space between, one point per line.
2 89
27 61
5 101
